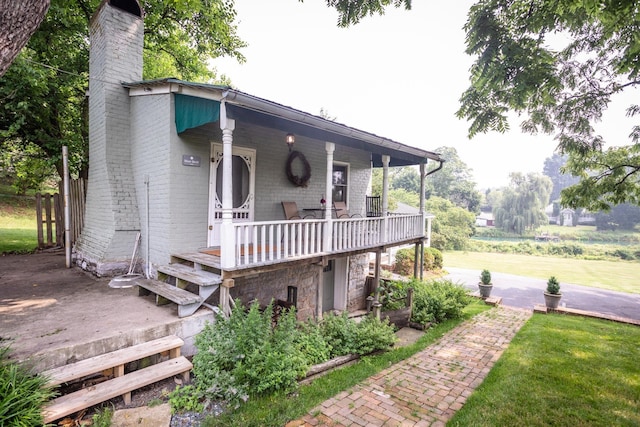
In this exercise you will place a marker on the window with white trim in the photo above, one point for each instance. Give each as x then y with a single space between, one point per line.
340 182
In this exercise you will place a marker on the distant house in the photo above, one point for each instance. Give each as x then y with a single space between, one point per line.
201 172
485 219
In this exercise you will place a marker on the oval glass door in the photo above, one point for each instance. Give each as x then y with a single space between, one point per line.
243 178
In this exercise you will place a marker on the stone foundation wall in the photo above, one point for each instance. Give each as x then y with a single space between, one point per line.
273 285
356 292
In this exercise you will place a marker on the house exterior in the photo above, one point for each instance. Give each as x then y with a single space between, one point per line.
485 219
158 152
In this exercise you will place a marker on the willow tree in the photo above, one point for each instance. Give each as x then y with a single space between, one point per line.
523 202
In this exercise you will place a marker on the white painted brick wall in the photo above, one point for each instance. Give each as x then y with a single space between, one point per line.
111 218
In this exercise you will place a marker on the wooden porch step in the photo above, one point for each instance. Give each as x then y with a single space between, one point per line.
187 302
115 359
198 259
81 399
191 275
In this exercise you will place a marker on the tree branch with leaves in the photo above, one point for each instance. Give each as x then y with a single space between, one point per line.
558 65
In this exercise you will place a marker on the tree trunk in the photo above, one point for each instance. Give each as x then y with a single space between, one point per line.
19 19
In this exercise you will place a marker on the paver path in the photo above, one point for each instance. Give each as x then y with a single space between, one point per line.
429 387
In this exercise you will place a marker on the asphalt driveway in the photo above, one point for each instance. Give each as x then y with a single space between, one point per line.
525 292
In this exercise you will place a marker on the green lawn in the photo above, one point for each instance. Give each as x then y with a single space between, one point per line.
561 371
17 226
613 275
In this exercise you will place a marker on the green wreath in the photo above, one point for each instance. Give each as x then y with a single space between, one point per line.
298 181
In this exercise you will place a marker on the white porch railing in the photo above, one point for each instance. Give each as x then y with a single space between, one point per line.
269 241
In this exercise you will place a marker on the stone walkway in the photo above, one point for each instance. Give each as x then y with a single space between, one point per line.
429 387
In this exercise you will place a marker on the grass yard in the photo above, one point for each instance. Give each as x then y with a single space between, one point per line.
613 275
561 371
17 224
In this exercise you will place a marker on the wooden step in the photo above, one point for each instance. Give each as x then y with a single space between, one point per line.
85 398
115 359
187 302
198 259
191 275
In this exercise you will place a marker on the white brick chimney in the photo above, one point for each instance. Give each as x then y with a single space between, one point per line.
111 219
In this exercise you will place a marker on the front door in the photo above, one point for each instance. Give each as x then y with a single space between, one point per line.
243 170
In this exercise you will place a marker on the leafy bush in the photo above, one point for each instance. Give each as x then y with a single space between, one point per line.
22 393
244 355
340 331
312 343
432 259
405 260
373 334
438 300
348 337
393 294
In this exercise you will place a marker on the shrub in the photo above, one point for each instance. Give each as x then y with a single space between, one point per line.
438 300
405 260
393 294
348 337
553 287
432 259
22 393
373 334
340 331
485 277
312 344
244 355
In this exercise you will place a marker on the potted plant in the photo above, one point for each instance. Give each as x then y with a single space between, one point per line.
485 284
552 295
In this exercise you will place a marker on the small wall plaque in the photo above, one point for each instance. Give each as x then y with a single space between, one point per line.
189 160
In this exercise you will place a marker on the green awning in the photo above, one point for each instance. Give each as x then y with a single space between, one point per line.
192 112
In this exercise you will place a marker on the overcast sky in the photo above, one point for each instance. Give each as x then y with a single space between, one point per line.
398 76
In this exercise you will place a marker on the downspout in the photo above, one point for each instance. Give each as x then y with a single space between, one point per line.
436 169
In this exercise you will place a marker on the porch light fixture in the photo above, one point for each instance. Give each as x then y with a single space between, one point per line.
290 139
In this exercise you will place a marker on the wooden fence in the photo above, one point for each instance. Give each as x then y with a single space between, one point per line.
50 214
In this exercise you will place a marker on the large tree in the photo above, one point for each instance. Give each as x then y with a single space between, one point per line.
522 204
19 19
558 64
455 181
43 92
554 169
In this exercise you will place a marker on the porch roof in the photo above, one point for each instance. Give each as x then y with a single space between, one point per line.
245 107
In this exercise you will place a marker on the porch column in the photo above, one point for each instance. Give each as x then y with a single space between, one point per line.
385 194
328 227
227 237
423 176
